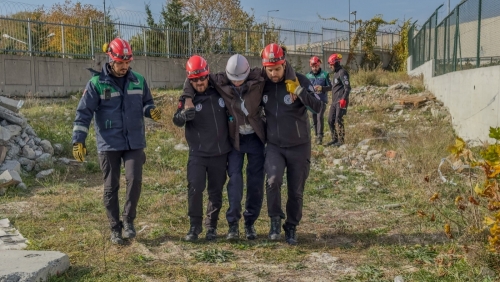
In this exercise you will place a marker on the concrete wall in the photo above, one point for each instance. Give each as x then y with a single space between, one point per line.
472 97
25 76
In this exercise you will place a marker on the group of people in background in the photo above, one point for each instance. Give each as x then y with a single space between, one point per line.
258 112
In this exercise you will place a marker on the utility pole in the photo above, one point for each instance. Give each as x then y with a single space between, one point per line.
349 43
105 39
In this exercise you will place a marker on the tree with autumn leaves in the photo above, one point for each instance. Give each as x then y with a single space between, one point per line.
195 26
186 26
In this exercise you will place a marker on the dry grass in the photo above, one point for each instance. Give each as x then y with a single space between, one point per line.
356 237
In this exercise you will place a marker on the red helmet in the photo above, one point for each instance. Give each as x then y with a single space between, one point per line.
272 55
119 50
314 61
334 58
196 66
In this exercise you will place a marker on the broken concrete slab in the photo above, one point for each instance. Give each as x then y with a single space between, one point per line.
32 265
10 238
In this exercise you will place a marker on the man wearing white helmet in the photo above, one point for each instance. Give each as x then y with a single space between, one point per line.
241 88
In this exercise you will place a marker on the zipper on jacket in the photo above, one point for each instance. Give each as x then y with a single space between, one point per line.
216 125
199 143
277 105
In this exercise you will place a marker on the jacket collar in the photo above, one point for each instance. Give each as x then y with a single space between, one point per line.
105 75
315 74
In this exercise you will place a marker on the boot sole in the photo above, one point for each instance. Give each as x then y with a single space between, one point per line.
125 236
274 237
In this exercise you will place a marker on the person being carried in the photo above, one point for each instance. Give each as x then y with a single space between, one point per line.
119 99
241 88
206 132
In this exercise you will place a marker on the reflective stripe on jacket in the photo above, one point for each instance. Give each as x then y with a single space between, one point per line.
119 115
322 78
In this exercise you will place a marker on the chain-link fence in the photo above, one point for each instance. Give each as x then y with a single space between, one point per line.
466 38
34 38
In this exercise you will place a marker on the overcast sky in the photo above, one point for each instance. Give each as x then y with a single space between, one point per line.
298 10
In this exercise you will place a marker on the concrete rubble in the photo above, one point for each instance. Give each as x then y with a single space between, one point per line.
31 266
10 238
21 150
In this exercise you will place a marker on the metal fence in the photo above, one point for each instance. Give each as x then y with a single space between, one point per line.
34 38
466 38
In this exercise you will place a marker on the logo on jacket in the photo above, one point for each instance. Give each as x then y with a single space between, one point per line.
264 99
336 81
288 99
221 103
311 88
198 107
346 79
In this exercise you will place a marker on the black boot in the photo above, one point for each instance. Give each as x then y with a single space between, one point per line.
275 230
250 232
319 140
211 234
116 237
290 234
234 231
193 233
332 143
128 230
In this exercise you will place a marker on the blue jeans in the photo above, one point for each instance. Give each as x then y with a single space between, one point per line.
253 147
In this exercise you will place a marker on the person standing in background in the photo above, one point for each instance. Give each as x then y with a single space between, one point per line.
320 80
341 87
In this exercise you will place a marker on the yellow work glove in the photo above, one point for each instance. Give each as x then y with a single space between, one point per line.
293 86
155 114
79 151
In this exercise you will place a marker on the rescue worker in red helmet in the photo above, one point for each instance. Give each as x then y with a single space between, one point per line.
287 96
206 132
241 88
320 80
119 99
341 87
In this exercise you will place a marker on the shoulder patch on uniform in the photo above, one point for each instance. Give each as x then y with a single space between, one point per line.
198 107
287 99
311 88
221 103
264 99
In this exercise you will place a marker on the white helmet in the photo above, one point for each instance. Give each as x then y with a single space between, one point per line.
237 68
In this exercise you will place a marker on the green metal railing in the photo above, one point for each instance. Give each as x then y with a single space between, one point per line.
466 38
35 38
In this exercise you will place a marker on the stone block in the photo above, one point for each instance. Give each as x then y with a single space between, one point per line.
9 178
21 265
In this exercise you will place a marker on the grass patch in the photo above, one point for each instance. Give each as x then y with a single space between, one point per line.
65 213
214 256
